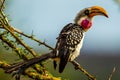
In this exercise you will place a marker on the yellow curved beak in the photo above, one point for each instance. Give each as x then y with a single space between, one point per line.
97 10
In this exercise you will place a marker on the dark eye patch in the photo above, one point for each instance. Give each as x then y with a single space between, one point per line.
86 12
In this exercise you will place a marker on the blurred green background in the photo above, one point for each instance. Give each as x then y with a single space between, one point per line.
101 48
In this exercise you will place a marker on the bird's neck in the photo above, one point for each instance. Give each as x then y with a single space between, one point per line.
85 23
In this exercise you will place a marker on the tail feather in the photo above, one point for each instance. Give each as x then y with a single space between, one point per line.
63 61
62 65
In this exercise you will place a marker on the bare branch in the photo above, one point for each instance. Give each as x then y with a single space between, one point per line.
77 66
111 75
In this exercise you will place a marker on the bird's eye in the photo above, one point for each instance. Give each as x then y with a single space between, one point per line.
86 12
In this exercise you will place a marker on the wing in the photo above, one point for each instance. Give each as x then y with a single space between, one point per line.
68 39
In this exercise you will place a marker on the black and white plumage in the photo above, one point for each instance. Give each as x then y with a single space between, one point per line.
69 43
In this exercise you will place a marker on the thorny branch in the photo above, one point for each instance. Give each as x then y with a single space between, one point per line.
8 35
6 26
33 38
32 73
12 46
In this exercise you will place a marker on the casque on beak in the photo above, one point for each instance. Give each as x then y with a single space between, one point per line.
97 10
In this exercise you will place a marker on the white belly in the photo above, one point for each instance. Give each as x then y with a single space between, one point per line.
77 51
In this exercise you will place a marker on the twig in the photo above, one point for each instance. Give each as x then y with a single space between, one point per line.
36 76
111 75
13 47
2 6
33 38
3 64
77 66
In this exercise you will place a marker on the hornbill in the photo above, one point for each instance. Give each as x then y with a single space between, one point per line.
68 44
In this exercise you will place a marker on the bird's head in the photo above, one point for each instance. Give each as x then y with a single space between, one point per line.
85 16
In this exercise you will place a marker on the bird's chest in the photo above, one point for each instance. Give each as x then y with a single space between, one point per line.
76 51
